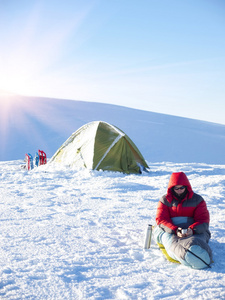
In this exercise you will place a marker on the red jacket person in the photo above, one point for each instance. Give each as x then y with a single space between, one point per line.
182 230
182 203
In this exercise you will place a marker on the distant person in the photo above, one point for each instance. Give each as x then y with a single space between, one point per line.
183 214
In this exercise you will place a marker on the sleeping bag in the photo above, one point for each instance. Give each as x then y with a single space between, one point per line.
192 251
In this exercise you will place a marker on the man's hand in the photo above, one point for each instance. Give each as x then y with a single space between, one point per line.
188 233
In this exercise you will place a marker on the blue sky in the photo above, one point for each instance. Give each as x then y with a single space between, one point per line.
164 56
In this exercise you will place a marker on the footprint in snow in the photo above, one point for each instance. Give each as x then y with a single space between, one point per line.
136 255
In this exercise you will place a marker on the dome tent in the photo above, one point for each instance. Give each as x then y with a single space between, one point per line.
100 146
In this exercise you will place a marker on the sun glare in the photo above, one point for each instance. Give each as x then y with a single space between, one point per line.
31 56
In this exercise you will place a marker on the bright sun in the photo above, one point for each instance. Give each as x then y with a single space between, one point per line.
32 52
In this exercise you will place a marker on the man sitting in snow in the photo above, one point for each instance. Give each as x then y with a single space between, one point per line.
184 217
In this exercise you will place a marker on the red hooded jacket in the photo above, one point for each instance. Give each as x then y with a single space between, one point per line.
192 206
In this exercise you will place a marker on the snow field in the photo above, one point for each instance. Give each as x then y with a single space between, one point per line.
69 234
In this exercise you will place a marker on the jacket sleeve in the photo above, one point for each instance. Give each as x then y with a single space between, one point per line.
201 217
163 219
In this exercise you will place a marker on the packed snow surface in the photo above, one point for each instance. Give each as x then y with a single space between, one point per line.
79 234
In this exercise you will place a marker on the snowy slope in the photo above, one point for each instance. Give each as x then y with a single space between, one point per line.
79 234
69 234
28 124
